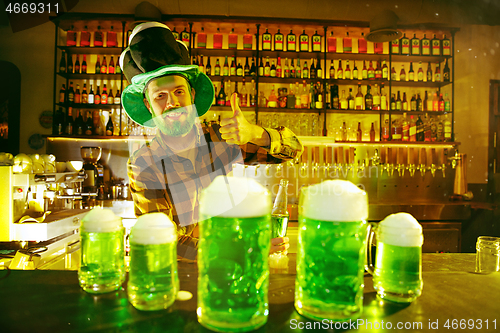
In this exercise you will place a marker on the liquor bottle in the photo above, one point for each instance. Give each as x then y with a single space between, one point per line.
221 97
446 71
405 45
62 94
62 63
358 102
383 98
436 46
376 99
68 130
104 95
305 71
399 103
347 72
98 66
441 103
420 135
118 97
312 97
104 66
335 97
425 103
344 104
176 34
446 46
347 43
267 68
272 72
85 37
404 103
232 40
433 130
420 106
239 69
217 71
411 73
429 72
340 71
266 41
217 40
286 69
362 45
447 128
78 96
185 37
364 72
91 95
395 46
393 102
278 41
111 97
71 37
312 70
253 69
225 68
304 42
405 124
111 40
85 95
244 94
355 72
440 130
413 103
378 71
386 130
291 42
201 65
430 103
372 133
247 40
109 125
447 104
371 71
118 70
261 68
58 128
435 102
253 95
437 74
413 129
98 37
97 96
396 130
279 69
96 120
71 93
394 76
350 100
316 42
84 64
332 43
227 102
79 124
89 124
385 71
426 46
111 68
415 45
298 70
292 70
70 65
201 39
378 48
359 133
304 97
332 70
420 73
402 74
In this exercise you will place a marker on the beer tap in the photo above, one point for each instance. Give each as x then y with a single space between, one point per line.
433 166
401 166
423 162
315 159
444 152
390 165
268 167
256 168
412 166
328 160
375 158
304 164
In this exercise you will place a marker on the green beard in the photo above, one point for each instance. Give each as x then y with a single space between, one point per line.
177 128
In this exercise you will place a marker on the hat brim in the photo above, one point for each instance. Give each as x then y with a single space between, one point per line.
133 94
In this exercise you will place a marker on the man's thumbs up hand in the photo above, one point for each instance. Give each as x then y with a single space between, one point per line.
236 130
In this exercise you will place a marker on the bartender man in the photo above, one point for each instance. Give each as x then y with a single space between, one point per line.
168 173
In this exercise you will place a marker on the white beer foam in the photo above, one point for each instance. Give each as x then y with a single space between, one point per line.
235 197
334 200
400 229
101 220
153 228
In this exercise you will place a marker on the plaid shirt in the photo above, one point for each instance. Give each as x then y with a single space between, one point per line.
161 181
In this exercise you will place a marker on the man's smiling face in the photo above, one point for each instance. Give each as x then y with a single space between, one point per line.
170 100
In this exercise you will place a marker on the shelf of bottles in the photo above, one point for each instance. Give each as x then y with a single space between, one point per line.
293 73
88 80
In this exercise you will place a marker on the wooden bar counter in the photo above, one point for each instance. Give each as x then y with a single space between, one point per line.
52 301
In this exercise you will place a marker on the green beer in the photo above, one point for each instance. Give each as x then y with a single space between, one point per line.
331 251
102 267
153 282
233 254
398 265
398 273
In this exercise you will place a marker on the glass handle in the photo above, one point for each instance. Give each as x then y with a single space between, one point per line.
369 238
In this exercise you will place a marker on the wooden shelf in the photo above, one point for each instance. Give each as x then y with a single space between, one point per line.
89 76
90 106
92 50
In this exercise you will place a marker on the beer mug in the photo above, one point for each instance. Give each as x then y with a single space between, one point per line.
102 267
397 275
235 238
331 251
153 282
